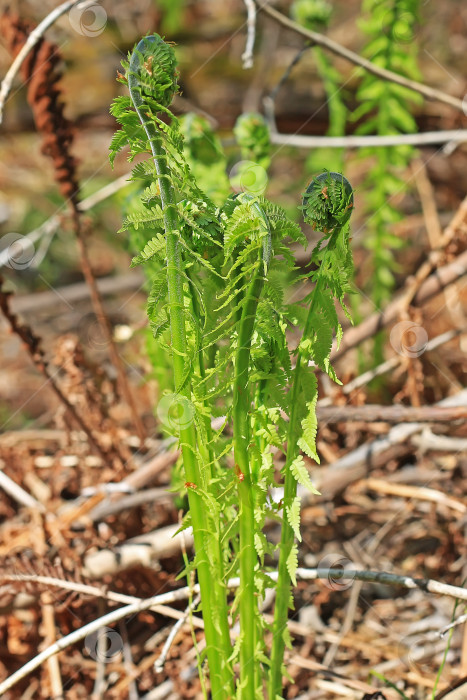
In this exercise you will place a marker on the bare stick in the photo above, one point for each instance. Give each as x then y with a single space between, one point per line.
141 550
48 619
424 139
78 635
421 493
391 414
356 464
459 621
324 41
427 585
435 283
159 664
164 599
247 56
387 366
72 293
423 584
95 592
16 492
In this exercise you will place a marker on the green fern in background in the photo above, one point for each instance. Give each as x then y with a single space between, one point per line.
386 109
205 156
252 135
316 15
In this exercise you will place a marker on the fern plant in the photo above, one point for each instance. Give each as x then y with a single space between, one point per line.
390 26
316 15
216 306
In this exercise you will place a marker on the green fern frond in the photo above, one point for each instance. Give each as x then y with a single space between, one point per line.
155 248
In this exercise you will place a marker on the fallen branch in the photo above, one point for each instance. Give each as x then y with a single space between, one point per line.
435 283
134 482
420 493
111 596
18 494
391 414
327 43
426 585
388 365
143 550
72 293
443 443
423 139
355 465
50 226
82 633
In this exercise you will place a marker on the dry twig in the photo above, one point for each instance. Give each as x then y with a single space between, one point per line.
427 585
327 43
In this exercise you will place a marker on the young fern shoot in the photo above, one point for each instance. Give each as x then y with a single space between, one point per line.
216 306
327 206
152 82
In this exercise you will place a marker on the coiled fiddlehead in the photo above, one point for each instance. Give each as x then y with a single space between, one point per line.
152 82
328 202
327 206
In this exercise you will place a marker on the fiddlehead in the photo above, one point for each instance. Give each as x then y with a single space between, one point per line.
152 82
327 202
327 205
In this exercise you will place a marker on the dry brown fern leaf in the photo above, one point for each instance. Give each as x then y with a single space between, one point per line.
40 71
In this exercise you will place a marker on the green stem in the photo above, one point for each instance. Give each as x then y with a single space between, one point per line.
207 453
249 677
217 650
241 431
